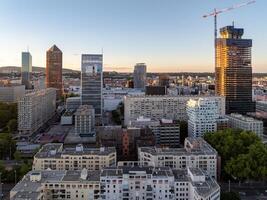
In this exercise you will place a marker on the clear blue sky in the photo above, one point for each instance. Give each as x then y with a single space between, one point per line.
168 35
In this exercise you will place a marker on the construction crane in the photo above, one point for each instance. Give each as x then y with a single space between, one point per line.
217 12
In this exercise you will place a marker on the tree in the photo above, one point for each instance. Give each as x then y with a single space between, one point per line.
17 156
12 125
230 196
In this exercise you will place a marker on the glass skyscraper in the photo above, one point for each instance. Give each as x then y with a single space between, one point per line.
139 76
26 69
233 70
92 82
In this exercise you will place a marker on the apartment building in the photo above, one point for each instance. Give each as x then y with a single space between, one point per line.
203 115
85 121
35 109
197 153
122 182
11 94
163 107
54 156
245 123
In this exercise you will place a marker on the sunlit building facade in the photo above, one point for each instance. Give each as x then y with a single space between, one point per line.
233 70
54 69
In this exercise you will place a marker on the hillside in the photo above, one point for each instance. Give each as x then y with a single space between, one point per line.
15 69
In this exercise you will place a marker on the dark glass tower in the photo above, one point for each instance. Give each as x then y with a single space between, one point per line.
26 69
91 82
233 71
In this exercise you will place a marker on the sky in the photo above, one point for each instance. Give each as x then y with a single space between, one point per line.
168 35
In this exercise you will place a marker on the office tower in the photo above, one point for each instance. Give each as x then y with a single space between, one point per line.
162 107
139 76
26 69
245 123
35 109
202 114
164 80
55 156
85 121
195 153
233 71
54 69
92 82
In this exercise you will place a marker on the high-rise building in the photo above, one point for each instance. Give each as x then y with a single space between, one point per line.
11 94
164 80
35 109
202 114
139 76
54 69
26 69
233 70
92 82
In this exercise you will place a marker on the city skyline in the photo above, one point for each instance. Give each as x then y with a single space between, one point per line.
162 35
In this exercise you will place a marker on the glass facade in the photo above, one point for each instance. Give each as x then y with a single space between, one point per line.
233 70
26 69
91 81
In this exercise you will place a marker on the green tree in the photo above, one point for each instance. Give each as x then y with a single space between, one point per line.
17 156
230 196
12 125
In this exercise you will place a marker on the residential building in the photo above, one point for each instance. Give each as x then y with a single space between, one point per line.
139 76
11 94
85 121
26 69
73 103
245 123
196 153
54 69
164 80
35 109
202 114
163 107
156 90
233 71
92 82
57 157
122 182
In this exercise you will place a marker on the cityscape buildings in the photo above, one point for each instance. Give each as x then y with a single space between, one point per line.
92 82
122 182
11 94
54 69
203 115
35 109
196 153
233 71
139 76
55 156
245 123
26 69
163 107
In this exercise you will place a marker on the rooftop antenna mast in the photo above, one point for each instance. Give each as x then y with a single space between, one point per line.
219 11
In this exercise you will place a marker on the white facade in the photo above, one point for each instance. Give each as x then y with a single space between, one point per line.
55 157
202 116
246 123
197 153
35 109
11 94
159 107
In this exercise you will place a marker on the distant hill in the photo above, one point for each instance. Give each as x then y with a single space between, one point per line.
15 69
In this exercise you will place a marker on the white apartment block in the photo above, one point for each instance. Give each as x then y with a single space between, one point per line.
163 107
35 109
202 116
85 121
11 94
53 184
114 183
197 153
245 123
54 156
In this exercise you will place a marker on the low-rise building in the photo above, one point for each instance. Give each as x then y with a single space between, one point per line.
196 153
245 123
122 182
85 121
54 156
73 103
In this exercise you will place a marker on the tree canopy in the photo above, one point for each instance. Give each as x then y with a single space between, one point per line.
244 156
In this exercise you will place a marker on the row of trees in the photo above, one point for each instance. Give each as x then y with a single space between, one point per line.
244 156
8 117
